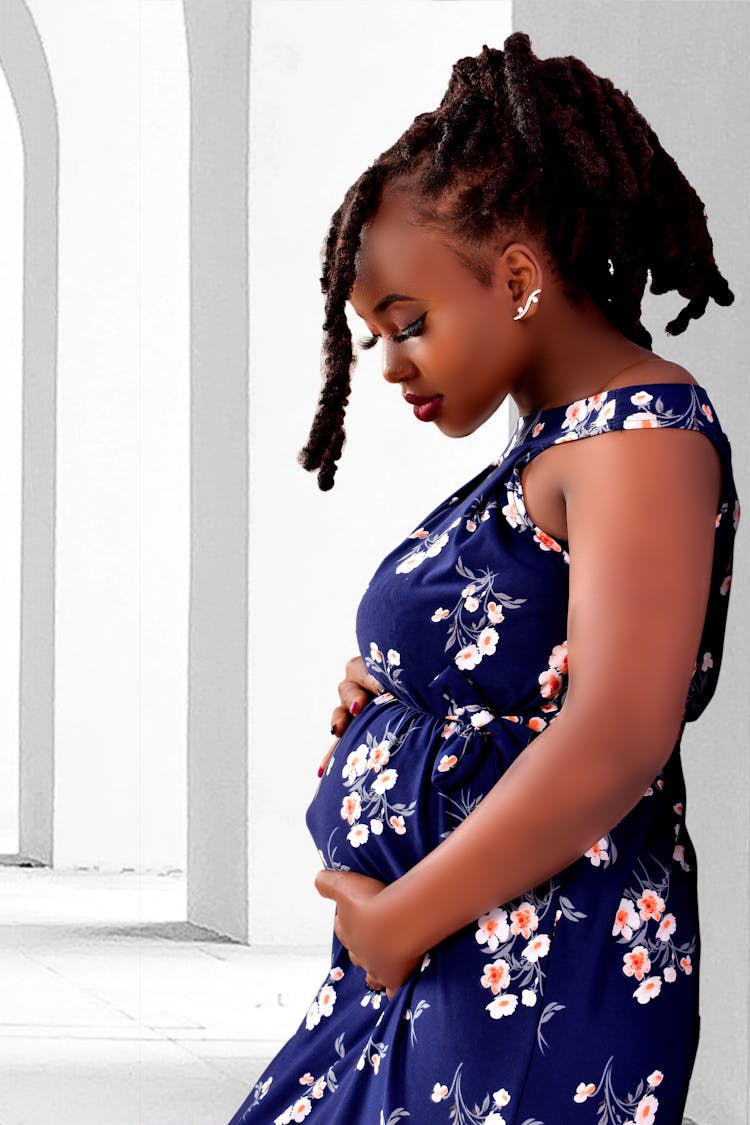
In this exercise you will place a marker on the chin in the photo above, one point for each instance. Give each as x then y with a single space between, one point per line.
458 429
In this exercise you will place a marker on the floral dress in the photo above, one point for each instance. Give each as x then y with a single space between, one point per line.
575 1003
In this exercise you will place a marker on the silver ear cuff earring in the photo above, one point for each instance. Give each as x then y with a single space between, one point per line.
523 309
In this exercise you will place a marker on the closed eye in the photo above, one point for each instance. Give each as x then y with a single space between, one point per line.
413 329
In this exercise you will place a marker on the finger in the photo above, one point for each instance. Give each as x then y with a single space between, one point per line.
373 982
325 882
340 717
357 670
389 992
353 697
324 763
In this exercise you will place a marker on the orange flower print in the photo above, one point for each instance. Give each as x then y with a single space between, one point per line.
379 755
447 762
636 963
545 541
524 920
550 683
651 905
496 975
351 807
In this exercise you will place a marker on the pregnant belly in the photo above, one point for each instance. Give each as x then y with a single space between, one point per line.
397 782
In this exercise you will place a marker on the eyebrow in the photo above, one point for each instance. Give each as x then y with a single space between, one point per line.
390 299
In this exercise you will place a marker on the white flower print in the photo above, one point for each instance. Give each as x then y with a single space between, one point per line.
358 834
648 989
326 999
503 1005
487 641
626 919
386 780
537 947
468 657
313 1016
493 928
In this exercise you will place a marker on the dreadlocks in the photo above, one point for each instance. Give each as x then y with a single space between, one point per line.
541 145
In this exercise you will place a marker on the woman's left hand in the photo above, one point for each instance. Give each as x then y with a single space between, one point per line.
357 927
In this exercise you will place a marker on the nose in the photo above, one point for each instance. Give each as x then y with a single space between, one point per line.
396 367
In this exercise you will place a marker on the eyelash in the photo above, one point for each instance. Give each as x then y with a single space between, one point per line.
413 329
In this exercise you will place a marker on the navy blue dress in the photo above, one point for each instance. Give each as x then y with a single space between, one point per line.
576 1002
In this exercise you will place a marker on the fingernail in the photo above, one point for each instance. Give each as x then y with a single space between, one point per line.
354 708
333 729
320 771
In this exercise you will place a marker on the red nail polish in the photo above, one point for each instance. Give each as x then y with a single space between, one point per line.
320 771
354 708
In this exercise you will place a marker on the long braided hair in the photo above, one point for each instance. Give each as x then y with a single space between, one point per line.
544 145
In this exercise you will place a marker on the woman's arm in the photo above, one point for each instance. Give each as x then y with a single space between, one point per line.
641 513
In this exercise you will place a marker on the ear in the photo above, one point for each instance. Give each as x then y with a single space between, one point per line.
523 276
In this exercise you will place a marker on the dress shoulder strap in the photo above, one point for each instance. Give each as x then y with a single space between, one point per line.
639 406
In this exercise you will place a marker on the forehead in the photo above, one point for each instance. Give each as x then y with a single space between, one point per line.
397 256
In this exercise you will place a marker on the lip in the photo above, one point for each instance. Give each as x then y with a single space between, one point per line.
420 400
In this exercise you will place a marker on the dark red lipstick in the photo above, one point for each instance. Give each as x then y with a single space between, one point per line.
426 407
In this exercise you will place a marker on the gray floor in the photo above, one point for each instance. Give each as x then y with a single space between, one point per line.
113 1011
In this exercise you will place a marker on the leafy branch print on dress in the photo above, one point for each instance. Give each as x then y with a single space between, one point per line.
373 757
501 930
638 1108
485 1114
477 638
639 906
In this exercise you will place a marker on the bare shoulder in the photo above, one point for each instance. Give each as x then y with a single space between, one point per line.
653 369
556 471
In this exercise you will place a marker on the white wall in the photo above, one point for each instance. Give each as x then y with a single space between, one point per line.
120 83
332 85
11 264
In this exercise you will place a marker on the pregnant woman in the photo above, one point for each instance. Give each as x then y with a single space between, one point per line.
502 819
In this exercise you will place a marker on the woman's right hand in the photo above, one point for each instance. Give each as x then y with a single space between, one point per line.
355 692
